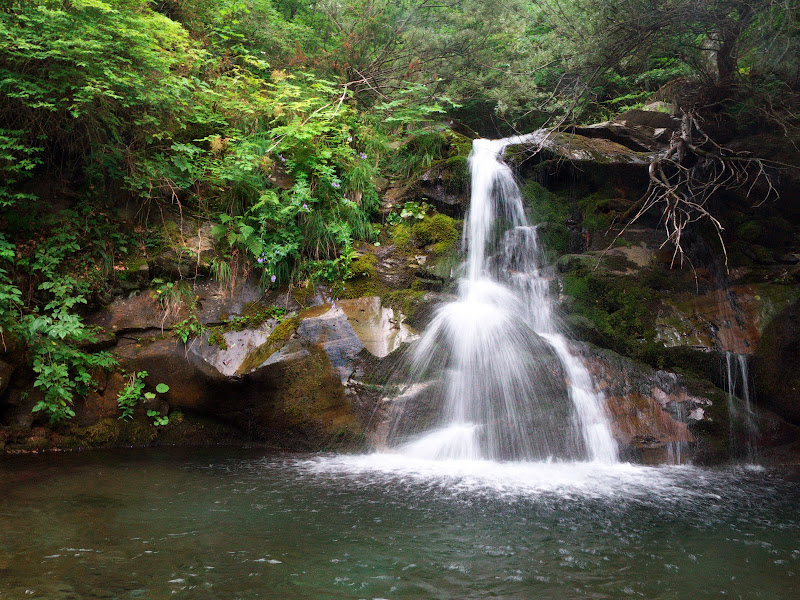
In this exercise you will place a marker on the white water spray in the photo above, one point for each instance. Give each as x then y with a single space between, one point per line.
511 388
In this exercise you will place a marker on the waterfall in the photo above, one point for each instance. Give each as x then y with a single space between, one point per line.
494 376
742 418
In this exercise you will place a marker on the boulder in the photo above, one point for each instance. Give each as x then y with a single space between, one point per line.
141 312
297 402
587 145
101 403
635 138
342 330
237 346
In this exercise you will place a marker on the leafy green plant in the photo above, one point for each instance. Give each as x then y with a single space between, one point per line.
190 327
17 161
48 326
62 369
394 218
414 210
131 394
158 418
222 271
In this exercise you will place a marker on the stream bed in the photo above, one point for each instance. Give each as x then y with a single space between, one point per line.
233 524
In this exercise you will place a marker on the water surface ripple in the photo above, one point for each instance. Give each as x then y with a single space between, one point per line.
246 524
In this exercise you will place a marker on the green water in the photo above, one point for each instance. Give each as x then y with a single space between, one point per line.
243 524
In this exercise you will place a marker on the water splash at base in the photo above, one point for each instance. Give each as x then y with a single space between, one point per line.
503 383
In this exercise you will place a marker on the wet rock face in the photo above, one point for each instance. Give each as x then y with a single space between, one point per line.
660 416
730 320
651 411
777 365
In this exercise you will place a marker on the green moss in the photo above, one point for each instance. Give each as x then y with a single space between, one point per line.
459 145
749 231
551 211
401 236
545 206
598 210
619 306
304 295
276 340
364 265
439 231
455 174
110 432
362 281
216 337
360 287
173 232
409 302
254 314
555 238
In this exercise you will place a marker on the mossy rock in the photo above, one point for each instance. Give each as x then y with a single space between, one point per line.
456 175
546 206
107 433
750 231
363 280
306 407
361 287
304 295
416 304
276 340
253 315
438 231
550 211
555 239
601 208
459 145
401 236
364 265
619 306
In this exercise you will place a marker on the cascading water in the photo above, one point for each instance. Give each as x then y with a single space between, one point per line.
742 418
497 377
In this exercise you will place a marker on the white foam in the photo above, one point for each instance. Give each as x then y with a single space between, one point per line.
595 479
